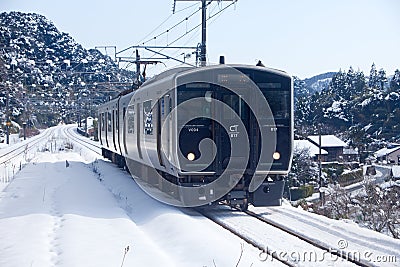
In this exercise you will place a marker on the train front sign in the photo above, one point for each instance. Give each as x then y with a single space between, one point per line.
195 136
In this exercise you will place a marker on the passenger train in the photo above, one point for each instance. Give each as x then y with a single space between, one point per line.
194 136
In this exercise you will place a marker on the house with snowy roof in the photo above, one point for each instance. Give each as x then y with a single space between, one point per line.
311 148
331 144
390 155
395 172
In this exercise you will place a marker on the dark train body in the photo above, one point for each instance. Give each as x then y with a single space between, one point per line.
144 130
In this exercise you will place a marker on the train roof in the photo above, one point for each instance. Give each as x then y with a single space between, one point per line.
167 73
172 73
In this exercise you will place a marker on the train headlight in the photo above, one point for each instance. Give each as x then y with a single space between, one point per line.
190 156
276 155
208 96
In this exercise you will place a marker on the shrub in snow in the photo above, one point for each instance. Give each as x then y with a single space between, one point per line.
377 208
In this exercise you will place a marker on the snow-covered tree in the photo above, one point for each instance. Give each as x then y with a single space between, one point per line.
299 87
337 204
304 170
395 82
376 207
382 79
379 208
373 77
48 68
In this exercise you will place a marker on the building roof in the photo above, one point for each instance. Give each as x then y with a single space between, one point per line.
385 151
312 148
327 141
396 171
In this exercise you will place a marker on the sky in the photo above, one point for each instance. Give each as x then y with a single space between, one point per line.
302 37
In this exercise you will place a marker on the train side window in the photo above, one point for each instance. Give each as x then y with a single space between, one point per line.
162 106
102 122
166 104
109 122
138 144
124 121
131 119
170 104
166 101
147 118
116 121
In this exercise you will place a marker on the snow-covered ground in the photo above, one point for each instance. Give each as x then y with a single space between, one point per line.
88 213
382 173
340 235
13 139
15 155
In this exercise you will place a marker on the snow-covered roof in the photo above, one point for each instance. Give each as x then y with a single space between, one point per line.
385 151
327 141
396 171
312 148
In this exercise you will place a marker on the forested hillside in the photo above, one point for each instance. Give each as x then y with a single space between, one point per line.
46 77
363 109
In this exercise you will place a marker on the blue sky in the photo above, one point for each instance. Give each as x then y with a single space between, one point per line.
302 37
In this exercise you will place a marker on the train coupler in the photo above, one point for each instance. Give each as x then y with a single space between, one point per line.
238 199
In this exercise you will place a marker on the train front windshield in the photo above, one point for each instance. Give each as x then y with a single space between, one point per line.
277 92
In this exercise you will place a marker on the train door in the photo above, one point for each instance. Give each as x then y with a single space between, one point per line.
107 128
124 122
118 123
169 127
113 128
233 110
100 128
138 130
165 126
160 114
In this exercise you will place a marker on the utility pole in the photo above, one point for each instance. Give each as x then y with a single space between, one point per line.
321 192
8 123
139 61
137 67
203 50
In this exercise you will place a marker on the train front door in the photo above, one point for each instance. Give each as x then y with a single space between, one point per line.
234 114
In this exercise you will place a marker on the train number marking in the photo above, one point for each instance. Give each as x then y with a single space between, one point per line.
192 130
233 131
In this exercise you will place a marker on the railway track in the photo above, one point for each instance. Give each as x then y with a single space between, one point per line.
336 252
22 148
275 242
71 133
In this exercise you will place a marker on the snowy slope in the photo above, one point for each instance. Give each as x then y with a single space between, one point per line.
51 215
50 72
370 247
88 213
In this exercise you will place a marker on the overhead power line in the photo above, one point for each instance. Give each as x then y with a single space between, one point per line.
200 24
163 22
174 26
